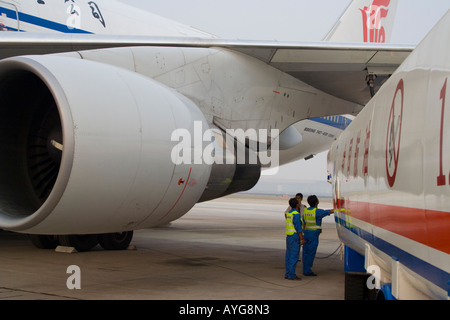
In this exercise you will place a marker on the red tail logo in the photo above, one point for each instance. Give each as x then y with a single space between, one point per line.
372 24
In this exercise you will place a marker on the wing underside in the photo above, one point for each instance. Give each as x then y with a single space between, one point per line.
340 69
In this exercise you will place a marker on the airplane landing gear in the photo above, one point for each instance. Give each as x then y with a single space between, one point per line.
115 241
83 243
44 241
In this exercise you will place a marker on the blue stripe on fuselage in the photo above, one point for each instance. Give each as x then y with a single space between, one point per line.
48 24
339 122
423 268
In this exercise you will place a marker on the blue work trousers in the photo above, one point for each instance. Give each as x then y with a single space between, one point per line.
292 255
311 238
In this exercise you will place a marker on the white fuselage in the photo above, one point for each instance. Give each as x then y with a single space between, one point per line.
390 172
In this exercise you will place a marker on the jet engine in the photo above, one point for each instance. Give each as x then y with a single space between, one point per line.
85 148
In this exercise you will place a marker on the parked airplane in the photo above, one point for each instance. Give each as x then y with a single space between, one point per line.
107 129
389 171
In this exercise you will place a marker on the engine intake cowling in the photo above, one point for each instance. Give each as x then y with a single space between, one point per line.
85 148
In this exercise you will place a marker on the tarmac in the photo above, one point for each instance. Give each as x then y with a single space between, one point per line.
226 249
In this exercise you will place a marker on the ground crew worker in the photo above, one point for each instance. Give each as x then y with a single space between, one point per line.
300 206
312 224
293 238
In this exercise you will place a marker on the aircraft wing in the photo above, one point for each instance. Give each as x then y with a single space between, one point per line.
339 69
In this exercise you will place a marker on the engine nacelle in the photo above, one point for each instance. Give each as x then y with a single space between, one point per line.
85 148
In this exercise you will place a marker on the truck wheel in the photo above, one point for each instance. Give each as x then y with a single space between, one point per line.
356 287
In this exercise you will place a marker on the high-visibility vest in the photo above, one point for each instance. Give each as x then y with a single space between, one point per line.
290 228
309 219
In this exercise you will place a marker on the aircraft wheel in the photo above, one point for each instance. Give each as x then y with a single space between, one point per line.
80 242
44 241
115 241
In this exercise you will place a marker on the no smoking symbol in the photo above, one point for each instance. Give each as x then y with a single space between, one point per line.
394 131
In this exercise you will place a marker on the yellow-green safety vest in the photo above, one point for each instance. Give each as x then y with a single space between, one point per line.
290 228
309 219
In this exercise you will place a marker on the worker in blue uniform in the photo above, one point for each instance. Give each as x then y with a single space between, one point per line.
293 238
312 225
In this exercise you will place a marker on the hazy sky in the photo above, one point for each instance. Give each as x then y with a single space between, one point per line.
290 20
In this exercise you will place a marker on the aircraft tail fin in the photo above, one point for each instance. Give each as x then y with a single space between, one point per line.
368 21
